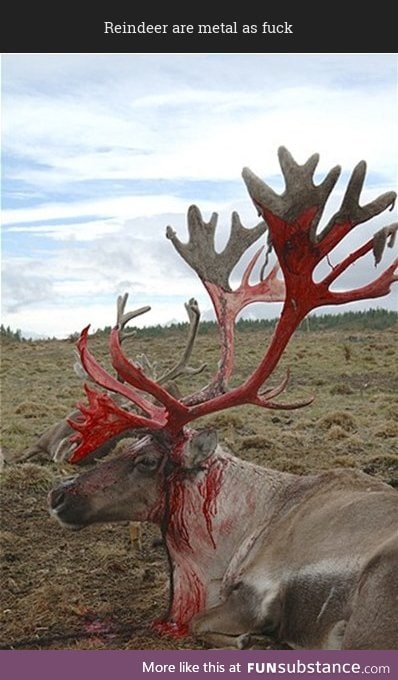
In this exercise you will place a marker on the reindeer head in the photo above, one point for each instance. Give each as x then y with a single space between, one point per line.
140 484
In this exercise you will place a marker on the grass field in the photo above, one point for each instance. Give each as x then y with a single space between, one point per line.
92 589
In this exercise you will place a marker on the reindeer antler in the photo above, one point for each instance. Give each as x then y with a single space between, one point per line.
181 367
105 416
200 252
122 319
292 219
215 269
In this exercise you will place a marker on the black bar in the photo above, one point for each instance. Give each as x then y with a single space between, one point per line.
325 28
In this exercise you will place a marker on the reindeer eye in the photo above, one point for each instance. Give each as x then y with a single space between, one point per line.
147 465
236 587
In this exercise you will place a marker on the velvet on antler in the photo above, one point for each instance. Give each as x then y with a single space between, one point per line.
215 270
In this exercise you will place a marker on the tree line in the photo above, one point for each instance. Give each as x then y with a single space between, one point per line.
371 319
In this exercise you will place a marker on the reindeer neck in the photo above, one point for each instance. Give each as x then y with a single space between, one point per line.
209 515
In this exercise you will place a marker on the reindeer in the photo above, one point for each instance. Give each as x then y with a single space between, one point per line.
310 560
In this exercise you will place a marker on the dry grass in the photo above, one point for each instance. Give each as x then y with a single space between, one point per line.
90 589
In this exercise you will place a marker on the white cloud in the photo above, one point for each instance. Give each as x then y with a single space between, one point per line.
123 207
193 132
78 231
79 128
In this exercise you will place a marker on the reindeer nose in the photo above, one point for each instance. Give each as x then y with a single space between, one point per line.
57 496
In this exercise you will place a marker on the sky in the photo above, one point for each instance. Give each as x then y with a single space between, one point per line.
101 152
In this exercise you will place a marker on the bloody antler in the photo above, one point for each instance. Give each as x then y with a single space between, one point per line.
215 270
292 219
104 418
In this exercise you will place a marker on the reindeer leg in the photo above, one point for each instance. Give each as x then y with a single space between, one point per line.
223 641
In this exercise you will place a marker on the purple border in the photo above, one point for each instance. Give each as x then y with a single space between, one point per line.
129 665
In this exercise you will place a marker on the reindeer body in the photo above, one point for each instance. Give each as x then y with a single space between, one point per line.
251 550
300 577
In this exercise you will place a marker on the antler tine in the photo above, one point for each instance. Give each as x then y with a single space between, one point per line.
350 205
385 236
300 191
200 252
181 366
350 213
123 317
148 366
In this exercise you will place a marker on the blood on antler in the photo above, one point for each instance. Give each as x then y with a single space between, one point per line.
292 219
215 270
117 418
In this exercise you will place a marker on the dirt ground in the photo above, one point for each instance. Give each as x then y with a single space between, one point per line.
94 589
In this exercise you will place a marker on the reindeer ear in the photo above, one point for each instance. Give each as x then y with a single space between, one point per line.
201 446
